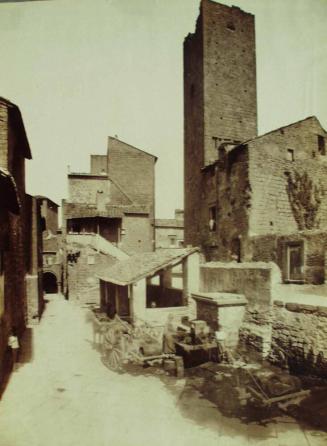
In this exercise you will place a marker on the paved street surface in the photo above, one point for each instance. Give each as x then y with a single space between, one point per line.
63 395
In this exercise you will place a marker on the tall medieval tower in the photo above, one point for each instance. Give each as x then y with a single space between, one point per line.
220 103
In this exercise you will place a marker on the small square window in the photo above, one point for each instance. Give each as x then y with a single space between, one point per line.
290 155
172 240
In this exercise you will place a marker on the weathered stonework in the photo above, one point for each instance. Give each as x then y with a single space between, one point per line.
300 333
219 100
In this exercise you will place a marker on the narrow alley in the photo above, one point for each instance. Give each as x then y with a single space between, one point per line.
62 394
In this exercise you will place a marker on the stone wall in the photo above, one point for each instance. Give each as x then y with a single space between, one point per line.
273 248
233 195
300 333
162 236
255 281
271 166
83 284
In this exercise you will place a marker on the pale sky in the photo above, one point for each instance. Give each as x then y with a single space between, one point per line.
81 70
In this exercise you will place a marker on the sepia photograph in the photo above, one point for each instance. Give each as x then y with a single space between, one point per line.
163 222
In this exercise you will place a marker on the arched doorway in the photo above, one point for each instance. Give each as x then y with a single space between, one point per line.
50 284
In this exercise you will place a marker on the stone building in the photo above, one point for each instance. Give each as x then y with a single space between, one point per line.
33 259
140 288
14 150
52 246
247 197
110 211
169 232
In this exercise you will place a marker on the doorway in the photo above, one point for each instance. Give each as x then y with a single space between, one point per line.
50 284
295 262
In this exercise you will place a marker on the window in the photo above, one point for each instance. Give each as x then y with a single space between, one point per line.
321 145
231 26
172 240
290 155
212 218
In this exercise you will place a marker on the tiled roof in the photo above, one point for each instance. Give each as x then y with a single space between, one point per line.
80 210
143 265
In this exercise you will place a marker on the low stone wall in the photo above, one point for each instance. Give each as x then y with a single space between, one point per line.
255 280
300 332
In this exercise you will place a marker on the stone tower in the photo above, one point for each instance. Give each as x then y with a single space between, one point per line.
220 104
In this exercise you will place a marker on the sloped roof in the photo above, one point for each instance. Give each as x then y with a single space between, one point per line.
43 197
132 147
143 265
309 118
15 116
8 192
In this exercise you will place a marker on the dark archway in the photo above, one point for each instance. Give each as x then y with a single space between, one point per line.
50 284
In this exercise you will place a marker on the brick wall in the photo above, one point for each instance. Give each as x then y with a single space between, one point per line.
3 136
12 157
163 239
99 164
133 170
193 132
230 102
139 234
85 189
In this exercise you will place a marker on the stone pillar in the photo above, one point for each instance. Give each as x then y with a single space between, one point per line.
223 312
138 300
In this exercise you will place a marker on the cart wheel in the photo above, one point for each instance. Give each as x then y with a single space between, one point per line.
114 359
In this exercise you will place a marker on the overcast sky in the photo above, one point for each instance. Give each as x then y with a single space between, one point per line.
81 70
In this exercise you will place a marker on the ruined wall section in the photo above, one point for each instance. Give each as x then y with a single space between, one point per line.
229 65
276 157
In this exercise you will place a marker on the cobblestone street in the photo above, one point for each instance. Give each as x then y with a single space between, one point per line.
63 395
